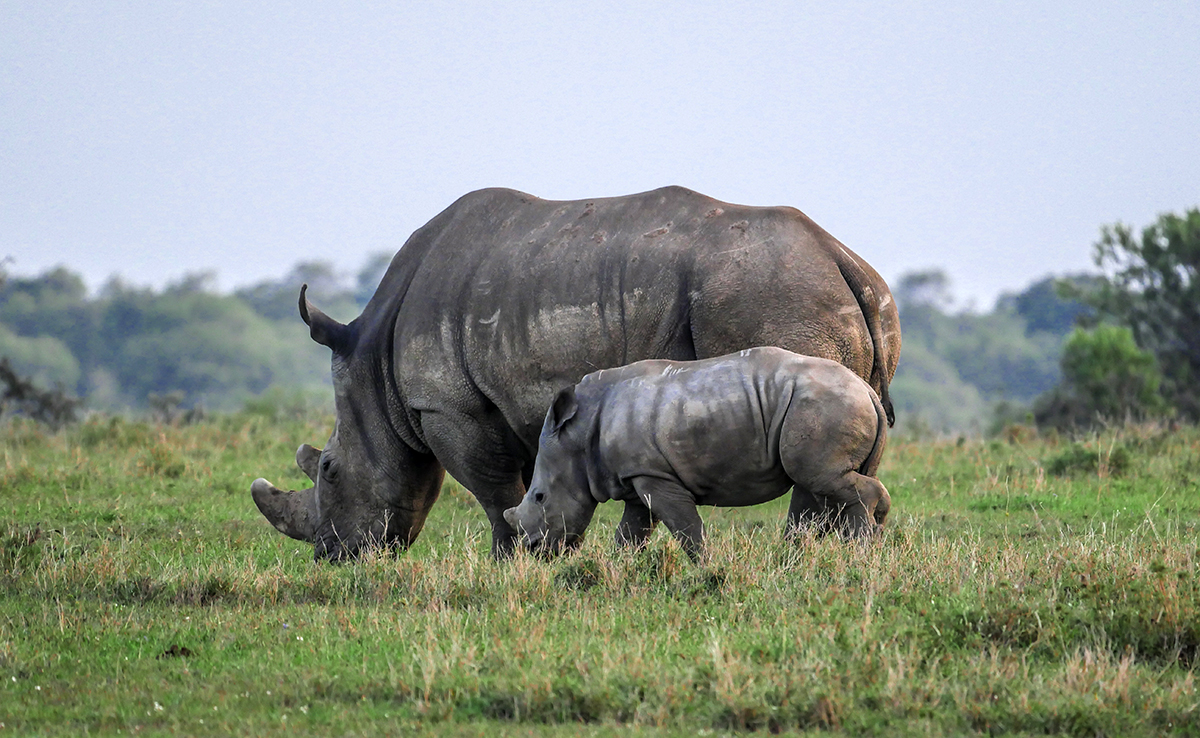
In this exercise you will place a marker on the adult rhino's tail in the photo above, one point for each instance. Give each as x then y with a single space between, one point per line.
864 292
871 464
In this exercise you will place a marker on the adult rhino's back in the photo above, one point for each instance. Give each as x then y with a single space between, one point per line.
529 294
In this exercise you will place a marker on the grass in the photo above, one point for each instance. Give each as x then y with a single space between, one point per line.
1025 586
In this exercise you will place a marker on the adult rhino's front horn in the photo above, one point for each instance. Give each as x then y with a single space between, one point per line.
292 513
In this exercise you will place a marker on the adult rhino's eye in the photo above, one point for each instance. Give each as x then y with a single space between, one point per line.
327 467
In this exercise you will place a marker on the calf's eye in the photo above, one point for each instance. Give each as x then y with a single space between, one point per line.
539 497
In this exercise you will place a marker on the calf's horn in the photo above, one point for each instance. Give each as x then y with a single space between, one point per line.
292 513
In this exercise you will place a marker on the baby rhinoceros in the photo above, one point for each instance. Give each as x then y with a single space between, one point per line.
736 430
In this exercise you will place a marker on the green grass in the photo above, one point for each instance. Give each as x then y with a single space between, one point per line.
1026 586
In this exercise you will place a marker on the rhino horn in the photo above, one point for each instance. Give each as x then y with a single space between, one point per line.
307 458
292 513
324 329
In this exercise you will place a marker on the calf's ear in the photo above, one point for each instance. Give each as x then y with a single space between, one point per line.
563 408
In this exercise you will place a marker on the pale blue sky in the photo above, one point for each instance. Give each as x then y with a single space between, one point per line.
152 139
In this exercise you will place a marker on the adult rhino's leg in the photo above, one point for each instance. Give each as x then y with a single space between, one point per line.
504 536
495 497
486 462
884 505
636 525
671 503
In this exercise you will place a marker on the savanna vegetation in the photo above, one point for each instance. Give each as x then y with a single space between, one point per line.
1031 581
1030 584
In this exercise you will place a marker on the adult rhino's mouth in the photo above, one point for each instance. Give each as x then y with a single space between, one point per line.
335 551
331 547
397 534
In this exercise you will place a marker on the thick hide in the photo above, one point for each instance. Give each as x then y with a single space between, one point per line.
503 299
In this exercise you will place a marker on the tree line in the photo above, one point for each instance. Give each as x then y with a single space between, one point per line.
126 346
1064 352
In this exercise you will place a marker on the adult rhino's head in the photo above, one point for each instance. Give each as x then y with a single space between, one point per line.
369 487
559 505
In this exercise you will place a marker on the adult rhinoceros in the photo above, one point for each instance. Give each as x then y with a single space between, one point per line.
504 298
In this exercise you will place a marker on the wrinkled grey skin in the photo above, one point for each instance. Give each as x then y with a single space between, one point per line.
503 299
737 430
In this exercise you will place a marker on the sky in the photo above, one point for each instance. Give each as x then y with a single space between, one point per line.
992 140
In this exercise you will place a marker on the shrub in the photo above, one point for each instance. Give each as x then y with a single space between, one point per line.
1106 377
1079 459
53 407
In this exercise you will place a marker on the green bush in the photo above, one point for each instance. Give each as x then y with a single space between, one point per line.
1079 459
1154 287
1106 377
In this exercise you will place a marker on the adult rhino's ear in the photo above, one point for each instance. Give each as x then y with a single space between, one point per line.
563 408
307 458
324 329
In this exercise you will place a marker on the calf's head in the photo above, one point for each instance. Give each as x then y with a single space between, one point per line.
369 487
559 505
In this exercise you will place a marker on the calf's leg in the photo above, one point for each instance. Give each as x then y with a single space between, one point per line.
806 511
671 503
823 451
636 525
857 504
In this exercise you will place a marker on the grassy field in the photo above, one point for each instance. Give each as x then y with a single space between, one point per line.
1024 586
